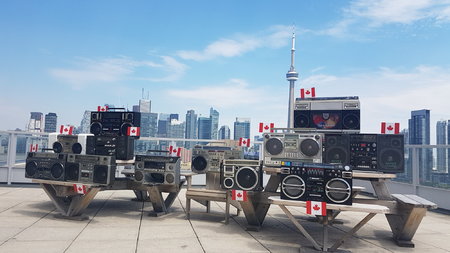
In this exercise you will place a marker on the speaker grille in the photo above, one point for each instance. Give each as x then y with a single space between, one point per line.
96 128
309 147
57 170
391 160
124 128
72 171
101 174
350 121
77 148
228 182
57 147
338 190
246 178
31 168
155 178
138 175
199 163
301 120
170 178
293 186
274 146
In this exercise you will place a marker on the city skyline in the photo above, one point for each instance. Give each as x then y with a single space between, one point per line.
391 54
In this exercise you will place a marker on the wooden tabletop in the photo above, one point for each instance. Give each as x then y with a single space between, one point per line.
44 181
356 207
356 174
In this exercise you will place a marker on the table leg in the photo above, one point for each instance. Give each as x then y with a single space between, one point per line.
352 231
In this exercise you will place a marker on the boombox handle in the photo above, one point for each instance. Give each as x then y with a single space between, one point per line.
160 151
295 129
47 149
118 108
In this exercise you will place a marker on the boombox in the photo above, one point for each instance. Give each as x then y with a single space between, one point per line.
48 166
241 175
369 152
73 144
157 170
90 169
316 182
121 147
335 114
114 123
305 147
208 158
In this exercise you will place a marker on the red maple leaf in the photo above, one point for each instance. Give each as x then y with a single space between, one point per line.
80 189
103 109
244 142
266 127
133 131
390 128
239 195
307 92
316 207
66 130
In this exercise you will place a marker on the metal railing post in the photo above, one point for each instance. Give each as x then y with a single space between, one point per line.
11 156
415 169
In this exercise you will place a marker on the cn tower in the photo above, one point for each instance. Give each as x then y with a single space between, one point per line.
291 76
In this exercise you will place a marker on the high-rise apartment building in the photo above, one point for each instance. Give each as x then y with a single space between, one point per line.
441 139
36 122
85 123
242 128
224 133
204 128
163 123
191 128
51 120
176 130
419 133
214 115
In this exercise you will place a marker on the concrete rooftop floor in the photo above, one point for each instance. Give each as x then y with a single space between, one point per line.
116 224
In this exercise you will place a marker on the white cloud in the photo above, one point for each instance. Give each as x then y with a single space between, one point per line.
273 37
92 71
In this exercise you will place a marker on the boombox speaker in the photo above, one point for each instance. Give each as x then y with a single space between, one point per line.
121 147
91 169
336 149
208 159
114 123
157 170
391 153
338 114
242 175
48 166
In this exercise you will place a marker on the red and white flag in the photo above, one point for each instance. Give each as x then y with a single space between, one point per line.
244 142
266 127
33 147
174 151
316 208
239 195
390 128
63 129
79 188
308 93
134 131
102 108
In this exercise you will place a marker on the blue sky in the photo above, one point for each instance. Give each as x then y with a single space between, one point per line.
70 56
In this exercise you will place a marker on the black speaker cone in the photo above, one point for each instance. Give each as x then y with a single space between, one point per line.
57 147
300 120
124 128
77 148
293 186
72 172
338 190
274 146
96 128
57 170
155 178
228 182
31 168
336 155
391 160
101 174
246 178
138 175
309 147
199 163
170 178
351 121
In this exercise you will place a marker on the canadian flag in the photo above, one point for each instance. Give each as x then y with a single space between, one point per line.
266 127
390 128
244 142
134 131
79 188
239 195
316 208
34 148
174 151
63 129
102 108
308 93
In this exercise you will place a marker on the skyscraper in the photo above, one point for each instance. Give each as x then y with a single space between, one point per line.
214 115
191 127
145 105
441 153
149 123
419 133
204 128
50 122
241 128
224 133
163 122
85 123
176 130
35 123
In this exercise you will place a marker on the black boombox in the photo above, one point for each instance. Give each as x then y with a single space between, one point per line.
120 147
49 166
334 114
241 174
316 182
114 123
93 169
157 170
369 152
209 158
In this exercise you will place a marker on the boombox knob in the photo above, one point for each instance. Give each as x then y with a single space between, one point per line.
317 137
267 136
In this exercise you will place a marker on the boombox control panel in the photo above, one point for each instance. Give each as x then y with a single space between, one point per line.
363 151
